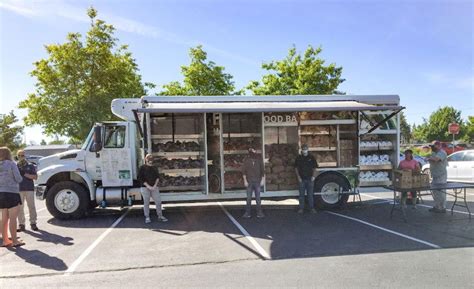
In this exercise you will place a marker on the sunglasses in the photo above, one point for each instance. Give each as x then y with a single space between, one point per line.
21 156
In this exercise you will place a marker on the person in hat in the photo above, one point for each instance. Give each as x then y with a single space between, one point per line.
409 163
439 174
305 168
27 194
254 177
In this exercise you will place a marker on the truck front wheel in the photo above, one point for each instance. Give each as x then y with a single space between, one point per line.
67 200
329 186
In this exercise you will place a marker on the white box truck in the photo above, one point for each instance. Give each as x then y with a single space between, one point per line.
200 142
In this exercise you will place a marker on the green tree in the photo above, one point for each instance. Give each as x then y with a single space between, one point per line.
436 127
201 77
299 74
78 80
10 133
469 136
43 142
405 129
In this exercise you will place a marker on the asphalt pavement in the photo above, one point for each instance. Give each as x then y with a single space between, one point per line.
211 245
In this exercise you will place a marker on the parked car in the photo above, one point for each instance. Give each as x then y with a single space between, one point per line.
460 166
449 148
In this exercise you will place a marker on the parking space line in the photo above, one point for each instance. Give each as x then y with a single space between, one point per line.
84 254
256 245
420 205
386 230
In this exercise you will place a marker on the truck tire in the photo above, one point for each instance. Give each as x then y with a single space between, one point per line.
67 200
329 185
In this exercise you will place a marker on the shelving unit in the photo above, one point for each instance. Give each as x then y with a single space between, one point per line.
177 138
382 134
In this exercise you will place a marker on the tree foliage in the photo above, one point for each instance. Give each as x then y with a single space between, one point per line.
405 129
78 80
436 127
10 133
201 77
298 75
469 136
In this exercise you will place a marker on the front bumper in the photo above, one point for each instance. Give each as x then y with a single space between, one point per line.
40 192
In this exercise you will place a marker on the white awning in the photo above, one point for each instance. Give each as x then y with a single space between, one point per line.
228 107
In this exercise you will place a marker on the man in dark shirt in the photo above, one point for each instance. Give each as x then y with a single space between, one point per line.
149 178
254 177
27 187
305 167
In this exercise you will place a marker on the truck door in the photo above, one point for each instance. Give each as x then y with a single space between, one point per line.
116 159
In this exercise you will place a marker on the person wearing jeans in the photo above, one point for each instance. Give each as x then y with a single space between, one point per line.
305 168
438 163
254 178
27 194
149 178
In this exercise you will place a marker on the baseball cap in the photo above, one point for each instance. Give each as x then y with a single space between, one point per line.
434 143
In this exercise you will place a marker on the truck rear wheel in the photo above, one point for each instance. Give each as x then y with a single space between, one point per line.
67 200
329 186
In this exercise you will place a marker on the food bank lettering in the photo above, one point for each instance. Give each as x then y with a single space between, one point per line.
280 118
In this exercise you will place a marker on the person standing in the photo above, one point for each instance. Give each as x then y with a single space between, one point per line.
412 165
10 200
254 178
439 174
305 168
148 177
27 187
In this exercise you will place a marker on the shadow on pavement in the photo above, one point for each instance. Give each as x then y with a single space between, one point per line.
286 234
40 259
44 236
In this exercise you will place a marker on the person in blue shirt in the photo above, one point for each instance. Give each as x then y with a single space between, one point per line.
27 194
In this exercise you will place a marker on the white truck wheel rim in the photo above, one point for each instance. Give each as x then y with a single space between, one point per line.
66 201
330 193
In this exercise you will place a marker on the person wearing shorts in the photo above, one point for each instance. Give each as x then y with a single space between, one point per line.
10 200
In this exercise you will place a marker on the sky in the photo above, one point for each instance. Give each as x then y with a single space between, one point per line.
421 50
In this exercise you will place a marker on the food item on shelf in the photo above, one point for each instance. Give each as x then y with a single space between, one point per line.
319 140
240 143
327 115
374 160
375 144
325 157
316 129
233 179
280 171
371 176
169 164
177 146
168 181
234 161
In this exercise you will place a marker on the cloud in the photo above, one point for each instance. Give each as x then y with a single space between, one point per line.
32 9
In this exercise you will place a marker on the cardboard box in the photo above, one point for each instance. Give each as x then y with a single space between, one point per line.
402 179
424 180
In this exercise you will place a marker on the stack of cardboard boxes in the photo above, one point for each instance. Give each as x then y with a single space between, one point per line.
405 179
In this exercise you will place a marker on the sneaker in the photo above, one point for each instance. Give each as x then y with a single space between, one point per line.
414 207
162 219
432 209
313 211
147 220
260 215
300 211
246 215
21 229
441 211
34 227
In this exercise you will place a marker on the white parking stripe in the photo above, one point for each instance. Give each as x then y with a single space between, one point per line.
418 205
256 245
386 230
84 254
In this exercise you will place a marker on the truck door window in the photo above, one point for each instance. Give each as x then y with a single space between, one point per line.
114 136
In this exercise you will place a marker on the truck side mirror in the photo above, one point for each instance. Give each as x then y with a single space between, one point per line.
97 139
